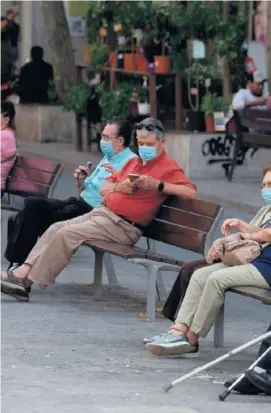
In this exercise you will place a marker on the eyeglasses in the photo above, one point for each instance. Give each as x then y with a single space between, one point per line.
148 127
108 138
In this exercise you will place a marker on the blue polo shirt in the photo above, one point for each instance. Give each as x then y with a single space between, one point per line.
263 262
93 183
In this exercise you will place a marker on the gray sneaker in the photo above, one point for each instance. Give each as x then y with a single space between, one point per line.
173 346
154 338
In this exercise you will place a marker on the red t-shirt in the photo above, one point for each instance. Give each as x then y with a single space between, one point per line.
142 205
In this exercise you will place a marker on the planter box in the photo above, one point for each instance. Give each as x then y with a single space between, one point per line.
44 123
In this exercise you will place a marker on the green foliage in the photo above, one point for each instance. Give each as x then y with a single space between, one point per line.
99 56
143 94
233 35
117 102
132 14
77 97
212 103
96 11
195 19
176 22
201 70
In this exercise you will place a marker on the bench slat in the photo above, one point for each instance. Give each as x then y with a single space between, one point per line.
31 175
260 294
196 206
25 188
179 236
37 163
257 139
185 218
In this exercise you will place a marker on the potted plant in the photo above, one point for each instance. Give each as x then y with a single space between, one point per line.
222 113
142 101
117 102
77 98
207 106
194 117
98 54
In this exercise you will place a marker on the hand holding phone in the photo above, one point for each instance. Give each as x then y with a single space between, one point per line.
133 177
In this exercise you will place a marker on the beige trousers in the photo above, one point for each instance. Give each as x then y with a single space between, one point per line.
55 248
206 292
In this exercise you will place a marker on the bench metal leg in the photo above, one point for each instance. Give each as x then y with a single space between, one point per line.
160 288
219 329
151 292
153 268
98 273
111 273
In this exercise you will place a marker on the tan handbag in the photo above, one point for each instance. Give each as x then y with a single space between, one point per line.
239 252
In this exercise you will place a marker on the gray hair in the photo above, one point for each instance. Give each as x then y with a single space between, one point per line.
158 128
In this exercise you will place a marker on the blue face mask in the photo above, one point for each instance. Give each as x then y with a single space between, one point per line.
106 147
266 194
147 153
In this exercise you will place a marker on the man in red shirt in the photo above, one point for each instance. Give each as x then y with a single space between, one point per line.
132 198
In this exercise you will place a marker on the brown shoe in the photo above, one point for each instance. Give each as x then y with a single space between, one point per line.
13 286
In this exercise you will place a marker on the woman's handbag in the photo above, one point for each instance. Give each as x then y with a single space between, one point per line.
232 250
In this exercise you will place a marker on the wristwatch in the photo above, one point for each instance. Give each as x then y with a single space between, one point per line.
161 186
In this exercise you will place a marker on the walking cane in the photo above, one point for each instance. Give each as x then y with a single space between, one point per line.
225 394
216 361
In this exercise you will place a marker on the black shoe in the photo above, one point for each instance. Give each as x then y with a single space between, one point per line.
244 387
261 379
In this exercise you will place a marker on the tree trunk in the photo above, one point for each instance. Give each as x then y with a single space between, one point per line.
225 62
268 45
60 45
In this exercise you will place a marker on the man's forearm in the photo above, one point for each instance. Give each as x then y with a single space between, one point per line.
179 190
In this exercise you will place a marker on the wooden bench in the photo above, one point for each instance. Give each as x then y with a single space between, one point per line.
184 223
31 177
255 293
253 130
181 222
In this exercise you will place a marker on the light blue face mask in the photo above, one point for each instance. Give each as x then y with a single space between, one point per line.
147 153
266 194
106 147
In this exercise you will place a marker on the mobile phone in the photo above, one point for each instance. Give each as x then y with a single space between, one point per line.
89 165
133 177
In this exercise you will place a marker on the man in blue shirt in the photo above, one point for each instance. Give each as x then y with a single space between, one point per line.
39 213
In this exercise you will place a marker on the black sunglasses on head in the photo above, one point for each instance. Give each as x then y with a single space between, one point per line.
148 127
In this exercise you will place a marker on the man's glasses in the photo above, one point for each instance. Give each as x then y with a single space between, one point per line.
108 138
148 127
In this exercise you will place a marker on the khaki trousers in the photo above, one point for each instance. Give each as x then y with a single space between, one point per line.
206 292
55 248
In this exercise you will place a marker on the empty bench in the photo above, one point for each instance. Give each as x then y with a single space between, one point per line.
253 130
31 177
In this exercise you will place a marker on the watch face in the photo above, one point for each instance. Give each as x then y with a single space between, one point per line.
161 186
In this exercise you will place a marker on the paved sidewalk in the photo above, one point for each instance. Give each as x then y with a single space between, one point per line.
67 352
241 194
